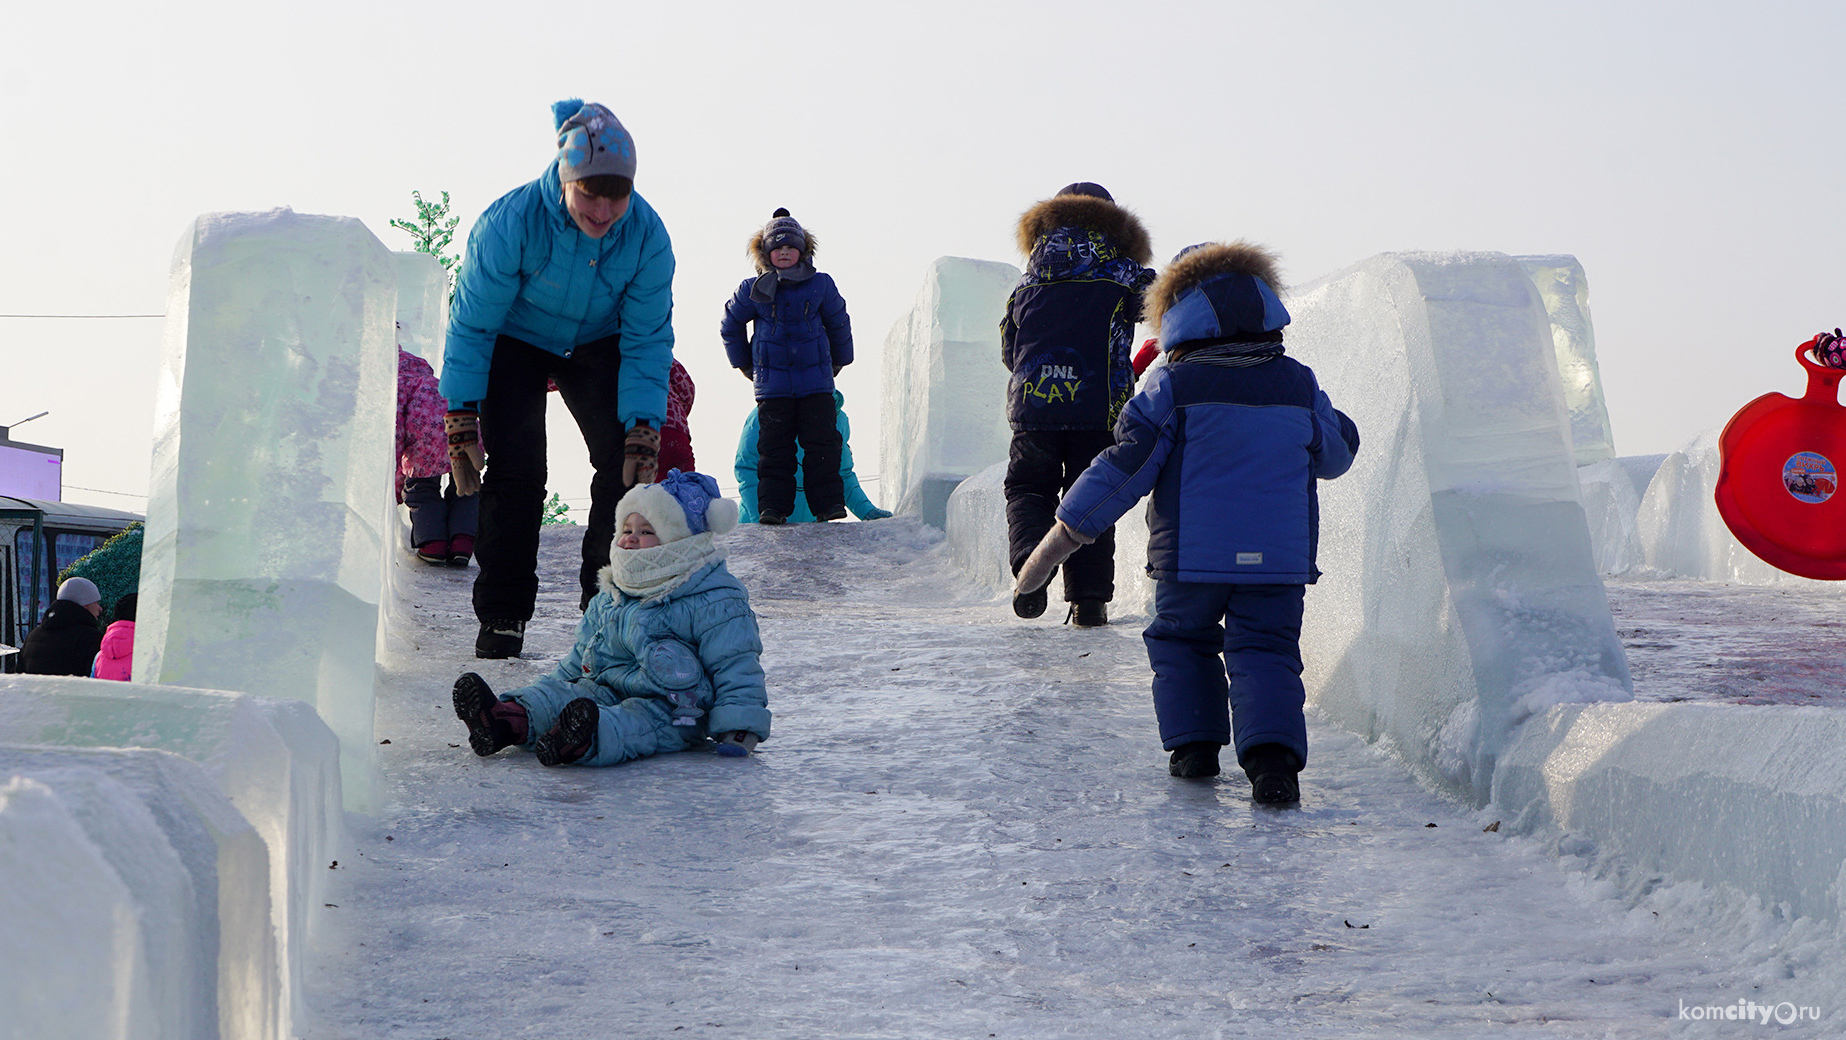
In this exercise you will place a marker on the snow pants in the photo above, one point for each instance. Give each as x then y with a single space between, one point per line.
1041 465
437 513
513 487
626 728
812 423
1257 628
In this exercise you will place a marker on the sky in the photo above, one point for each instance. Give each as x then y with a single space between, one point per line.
1687 154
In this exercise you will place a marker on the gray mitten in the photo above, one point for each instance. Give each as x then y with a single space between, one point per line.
737 743
1053 549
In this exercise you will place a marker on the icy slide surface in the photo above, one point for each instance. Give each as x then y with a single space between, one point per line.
963 825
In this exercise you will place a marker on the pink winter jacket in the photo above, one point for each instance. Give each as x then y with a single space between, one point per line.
117 657
422 446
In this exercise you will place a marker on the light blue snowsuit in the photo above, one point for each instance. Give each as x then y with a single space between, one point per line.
665 672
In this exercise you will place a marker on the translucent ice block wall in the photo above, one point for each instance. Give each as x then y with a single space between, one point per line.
422 305
268 506
1565 293
275 760
1461 594
944 386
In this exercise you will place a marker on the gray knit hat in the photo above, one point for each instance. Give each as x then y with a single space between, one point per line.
592 142
81 591
783 230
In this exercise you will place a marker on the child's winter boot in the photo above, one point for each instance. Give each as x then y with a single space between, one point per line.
1089 613
461 547
570 739
1273 771
1194 761
492 723
433 552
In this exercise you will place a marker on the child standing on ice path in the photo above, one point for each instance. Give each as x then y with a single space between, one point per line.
667 653
801 339
1230 436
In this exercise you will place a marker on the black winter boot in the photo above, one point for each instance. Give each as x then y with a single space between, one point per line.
1195 761
1274 775
500 639
493 724
1030 604
570 739
1089 613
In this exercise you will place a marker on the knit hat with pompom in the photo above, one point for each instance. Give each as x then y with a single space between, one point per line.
682 505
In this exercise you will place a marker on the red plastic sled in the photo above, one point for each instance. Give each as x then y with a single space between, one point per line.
1779 474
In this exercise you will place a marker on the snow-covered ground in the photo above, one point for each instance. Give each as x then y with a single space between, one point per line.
963 827
1735 644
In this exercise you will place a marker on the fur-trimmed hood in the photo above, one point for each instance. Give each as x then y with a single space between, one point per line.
760 256
1217 291
1113 222
1201 263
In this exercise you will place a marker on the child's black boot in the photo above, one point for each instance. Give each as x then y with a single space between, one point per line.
1194 761
1273 771
570 739
492 723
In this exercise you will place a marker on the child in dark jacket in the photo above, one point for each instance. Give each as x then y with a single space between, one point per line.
667 654
1229 436
801 339
1066 337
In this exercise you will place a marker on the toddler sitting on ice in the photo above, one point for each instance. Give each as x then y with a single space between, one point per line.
667 653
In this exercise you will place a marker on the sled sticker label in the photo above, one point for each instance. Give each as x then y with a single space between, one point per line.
1810 477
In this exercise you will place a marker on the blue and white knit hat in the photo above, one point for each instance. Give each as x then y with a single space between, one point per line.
591 142
682 505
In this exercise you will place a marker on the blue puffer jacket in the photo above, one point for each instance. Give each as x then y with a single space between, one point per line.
529 273
695 649
801 336
1230 437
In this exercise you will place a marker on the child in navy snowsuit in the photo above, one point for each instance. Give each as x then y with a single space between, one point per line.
801 340
1066 337
1229 436
667 654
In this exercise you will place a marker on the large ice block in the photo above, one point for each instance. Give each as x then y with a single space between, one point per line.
1565 293
944 386
1461 593
422 305
1682 535
275 759
190 871
269 504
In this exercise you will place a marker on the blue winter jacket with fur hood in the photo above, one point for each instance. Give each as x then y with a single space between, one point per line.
531 274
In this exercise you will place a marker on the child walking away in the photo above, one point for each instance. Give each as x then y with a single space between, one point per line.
801 340
1229 436
666 657
1066 336
442 523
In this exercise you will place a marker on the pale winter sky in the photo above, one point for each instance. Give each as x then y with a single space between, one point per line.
1689 155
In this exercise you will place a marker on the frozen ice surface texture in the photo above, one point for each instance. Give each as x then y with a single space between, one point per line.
944 386
1565 293
275 760
188 870
422 305
1461 593
1610 504
269 501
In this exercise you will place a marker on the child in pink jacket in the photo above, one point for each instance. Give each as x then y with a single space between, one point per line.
442 523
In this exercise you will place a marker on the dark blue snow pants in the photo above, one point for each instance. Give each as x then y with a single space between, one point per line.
1258 630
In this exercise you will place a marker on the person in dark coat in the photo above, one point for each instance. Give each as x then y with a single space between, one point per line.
1230 438
1066 337
800 341
65 643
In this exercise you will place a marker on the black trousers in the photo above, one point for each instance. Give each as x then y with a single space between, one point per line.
814 421
1040 466
513 486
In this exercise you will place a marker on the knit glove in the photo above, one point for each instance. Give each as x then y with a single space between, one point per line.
1053 549
466 457
737 743
876 513
641 452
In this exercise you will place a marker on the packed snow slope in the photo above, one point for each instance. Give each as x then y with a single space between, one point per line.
963 827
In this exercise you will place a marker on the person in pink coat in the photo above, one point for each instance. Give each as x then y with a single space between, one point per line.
442 523
117 657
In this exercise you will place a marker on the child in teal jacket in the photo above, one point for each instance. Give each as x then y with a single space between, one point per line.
667 655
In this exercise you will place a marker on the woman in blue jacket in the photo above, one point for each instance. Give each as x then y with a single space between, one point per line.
566 280
802 338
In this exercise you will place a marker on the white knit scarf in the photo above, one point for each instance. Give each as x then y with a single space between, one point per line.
653 572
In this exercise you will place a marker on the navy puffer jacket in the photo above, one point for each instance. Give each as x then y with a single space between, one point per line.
800 337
